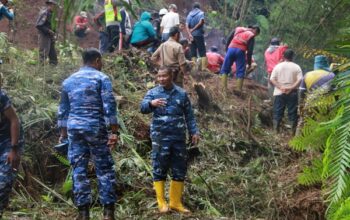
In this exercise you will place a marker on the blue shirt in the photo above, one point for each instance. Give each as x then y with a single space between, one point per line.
4 11
5 103
87 101
170 122
193 18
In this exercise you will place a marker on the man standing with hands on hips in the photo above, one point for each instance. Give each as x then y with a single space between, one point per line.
172 114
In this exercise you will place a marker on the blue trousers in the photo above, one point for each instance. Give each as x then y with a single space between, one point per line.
234 55
7 174
104 43
169 155
281 102
84 145
165 37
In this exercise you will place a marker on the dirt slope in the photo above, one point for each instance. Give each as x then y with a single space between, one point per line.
27 12
26 34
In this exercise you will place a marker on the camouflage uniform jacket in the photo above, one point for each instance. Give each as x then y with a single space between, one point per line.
87 102
170 122
43 23
5 103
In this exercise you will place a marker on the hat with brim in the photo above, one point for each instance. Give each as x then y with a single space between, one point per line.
321 62
52 2
83 14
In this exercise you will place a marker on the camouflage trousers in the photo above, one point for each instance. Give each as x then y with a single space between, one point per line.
7 174
169 155
84 145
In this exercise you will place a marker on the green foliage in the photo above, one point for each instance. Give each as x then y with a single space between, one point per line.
327 129
313 174
61 159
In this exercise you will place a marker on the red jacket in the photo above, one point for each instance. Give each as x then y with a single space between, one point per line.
241 38
80 22
215 61
273 56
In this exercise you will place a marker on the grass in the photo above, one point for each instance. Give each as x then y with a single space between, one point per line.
230 179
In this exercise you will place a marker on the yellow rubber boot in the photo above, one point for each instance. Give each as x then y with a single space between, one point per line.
195 65
224 83
204 63
239 85
175 196
162 205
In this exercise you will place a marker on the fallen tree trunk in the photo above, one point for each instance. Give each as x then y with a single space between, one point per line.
205 101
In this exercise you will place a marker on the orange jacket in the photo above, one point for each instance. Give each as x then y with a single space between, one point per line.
241 38
215 61
273 56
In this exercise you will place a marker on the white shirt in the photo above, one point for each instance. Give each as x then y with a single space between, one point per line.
286 74
170 20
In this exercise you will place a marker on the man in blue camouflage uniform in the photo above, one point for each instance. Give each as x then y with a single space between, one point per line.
87 109
172 113
11 143
46 33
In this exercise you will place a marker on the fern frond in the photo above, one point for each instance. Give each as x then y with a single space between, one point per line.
339 157
339 211
311 175
62 159
311 137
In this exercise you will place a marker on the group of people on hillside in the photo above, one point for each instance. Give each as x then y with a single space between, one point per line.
87 114
87 118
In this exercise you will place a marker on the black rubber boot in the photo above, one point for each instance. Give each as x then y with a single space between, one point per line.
108 212
84 213
294 128
276 126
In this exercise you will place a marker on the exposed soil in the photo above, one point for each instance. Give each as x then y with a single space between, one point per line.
26 34
292 201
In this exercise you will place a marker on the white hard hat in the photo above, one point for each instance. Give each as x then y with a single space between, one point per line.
163 11
83 14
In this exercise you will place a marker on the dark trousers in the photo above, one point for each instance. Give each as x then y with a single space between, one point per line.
47 49
145 43
113 37
81 33
169 155
198 45
104 43
281 102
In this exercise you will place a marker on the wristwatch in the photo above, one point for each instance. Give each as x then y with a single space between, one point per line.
15 147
